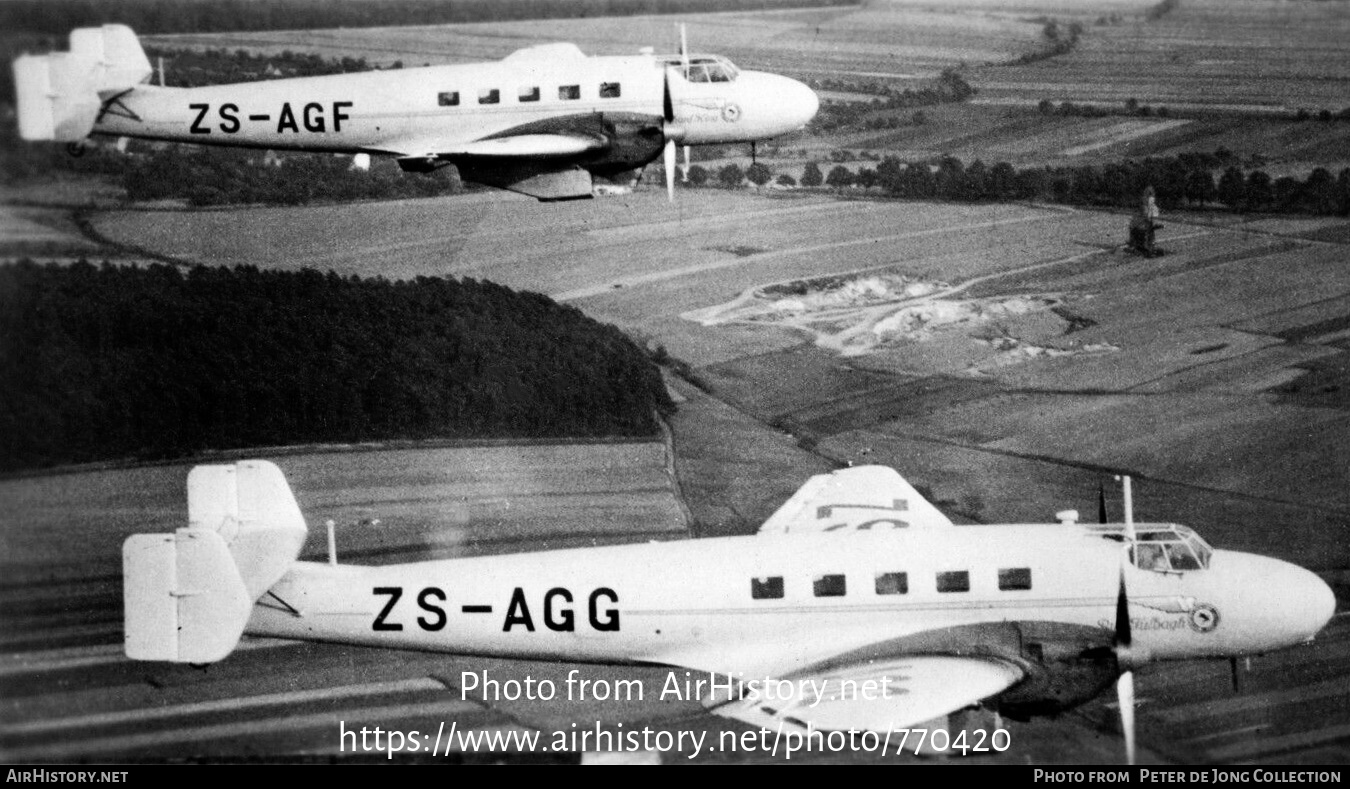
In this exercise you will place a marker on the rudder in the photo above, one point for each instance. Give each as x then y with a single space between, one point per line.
188 596
59 95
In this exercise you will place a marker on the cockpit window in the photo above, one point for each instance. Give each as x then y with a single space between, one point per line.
706 68
1173 549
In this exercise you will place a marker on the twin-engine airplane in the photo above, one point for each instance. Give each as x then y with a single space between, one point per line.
540 121
858 592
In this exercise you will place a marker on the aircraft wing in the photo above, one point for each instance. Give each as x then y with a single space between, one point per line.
522 146
876 696
542 159
860 497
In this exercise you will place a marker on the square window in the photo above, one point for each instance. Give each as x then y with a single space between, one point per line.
770 588
1015 578
828 586
954 581
489 96
892 583
449 98
609 90
568 92
528 94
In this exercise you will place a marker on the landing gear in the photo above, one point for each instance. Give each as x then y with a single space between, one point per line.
76 149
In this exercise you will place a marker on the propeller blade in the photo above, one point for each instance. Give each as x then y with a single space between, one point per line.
1124 659
686 164
1101 502
1125 697
668 104
670 169
1123 637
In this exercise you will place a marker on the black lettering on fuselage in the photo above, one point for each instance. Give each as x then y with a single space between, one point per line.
518 613
394 592
566 623
611 623
313 117
431 608
229 121
197 127
338 115
287 120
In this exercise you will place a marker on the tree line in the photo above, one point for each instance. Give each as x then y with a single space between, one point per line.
1185 180
209 16
949 87
234 176
101 362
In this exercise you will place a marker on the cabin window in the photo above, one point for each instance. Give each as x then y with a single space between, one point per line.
609 90
828 586
528 94
449 98
569 92
1014 578
892 583
489 96
769 588
953 581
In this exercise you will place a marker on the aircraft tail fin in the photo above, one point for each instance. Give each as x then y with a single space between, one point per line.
60 94
187 596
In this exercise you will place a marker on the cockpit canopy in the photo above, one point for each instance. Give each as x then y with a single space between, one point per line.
1169 547
703 68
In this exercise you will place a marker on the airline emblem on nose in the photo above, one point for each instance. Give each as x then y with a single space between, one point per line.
1204 618
731 112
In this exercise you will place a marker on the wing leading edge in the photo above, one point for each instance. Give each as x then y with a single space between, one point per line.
856 498
878 696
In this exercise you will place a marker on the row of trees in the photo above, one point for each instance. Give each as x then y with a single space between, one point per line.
104 362
950 86
1133 107
230 176
1179 181
191 68
1058 41
199 16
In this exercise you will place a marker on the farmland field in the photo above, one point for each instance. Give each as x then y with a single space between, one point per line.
430 503
1235 71
1009 358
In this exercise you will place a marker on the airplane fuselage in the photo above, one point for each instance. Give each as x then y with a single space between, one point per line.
425 110
728 603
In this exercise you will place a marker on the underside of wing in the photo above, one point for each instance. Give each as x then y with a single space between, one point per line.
857 498
541 165
551 159
542 180
875 696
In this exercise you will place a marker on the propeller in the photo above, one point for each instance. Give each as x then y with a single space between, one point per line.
670 169
672 131
1123 640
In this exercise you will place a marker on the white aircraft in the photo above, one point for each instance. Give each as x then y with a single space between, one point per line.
540 121
855 582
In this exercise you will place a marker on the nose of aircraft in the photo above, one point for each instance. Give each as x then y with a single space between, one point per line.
1284 603
777 104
